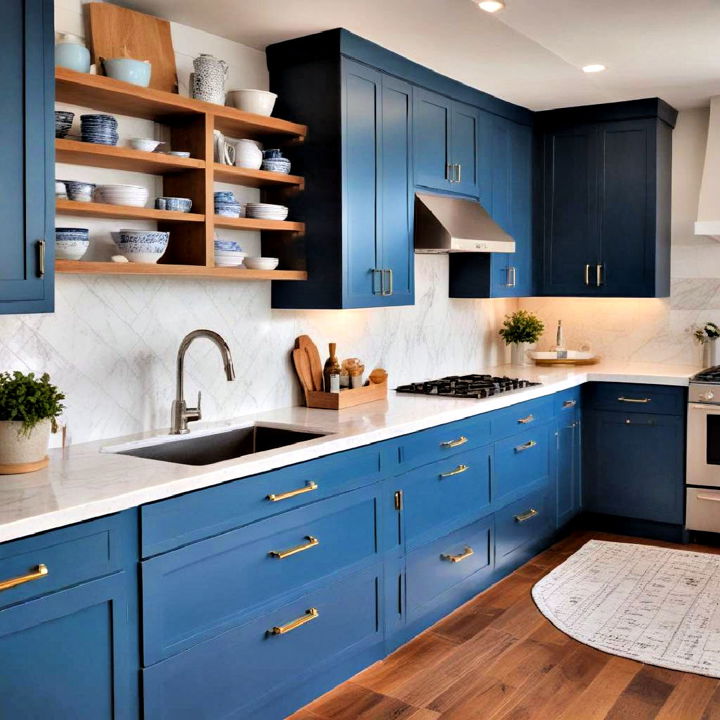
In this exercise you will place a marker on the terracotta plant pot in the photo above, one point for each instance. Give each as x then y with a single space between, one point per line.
20 452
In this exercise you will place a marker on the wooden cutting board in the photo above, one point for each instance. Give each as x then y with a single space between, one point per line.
118 32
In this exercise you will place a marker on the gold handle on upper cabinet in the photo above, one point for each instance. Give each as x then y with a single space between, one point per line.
513 276
459 469
459 172
527 419
277 497
459 558
569 403
454 443
41 257
39 571
523 517
450 173
634 400
525 446
587 274
280 554
390 282
309 615
599 275
375 271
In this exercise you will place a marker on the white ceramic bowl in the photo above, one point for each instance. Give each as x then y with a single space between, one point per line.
132 195
70 249
141 246
260 102
146 144
261 263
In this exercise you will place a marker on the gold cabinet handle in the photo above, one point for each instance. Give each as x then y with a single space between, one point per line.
309 615
454 443
527 419
280 554
459 469
569 403
309 487
525 446
41 258
634 400
598 275
587 274
39 571
459 558
524 517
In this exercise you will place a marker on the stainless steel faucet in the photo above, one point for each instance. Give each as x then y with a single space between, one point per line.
181 415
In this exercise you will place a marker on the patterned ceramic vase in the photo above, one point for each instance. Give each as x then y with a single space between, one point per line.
208 80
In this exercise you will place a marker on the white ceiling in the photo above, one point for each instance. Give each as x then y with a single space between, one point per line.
530 53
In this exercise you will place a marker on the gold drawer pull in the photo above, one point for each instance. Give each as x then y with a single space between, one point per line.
569 403
525 446
459 558
523 517
309 615
634 400
459 469
311 543
40 571
527 419
454 443
309 487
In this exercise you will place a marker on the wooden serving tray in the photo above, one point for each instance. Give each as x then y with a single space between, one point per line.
568 361
348 397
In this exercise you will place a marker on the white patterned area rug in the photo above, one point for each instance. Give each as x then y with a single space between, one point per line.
656 605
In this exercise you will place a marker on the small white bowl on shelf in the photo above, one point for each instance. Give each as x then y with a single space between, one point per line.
145 144
261 263
260 102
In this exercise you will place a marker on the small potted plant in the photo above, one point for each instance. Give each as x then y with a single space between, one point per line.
29 408
521 330
707 336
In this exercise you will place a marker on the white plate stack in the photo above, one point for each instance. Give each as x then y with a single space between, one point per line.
266 211
132 195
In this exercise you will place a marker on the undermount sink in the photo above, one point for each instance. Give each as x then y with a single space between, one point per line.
215 447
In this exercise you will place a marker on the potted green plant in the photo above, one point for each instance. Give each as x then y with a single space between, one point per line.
521 330
707 336
29 408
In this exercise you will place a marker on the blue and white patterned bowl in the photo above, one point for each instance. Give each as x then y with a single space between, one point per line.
142 246
224 197
176 204
71 243
79 191
279 165
230 209
227 246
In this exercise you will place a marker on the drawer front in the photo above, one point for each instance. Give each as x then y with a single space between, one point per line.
524 521
168 524
61 558
703 510
436 496
203 589
443 563
445 441
220 677
516 418
520 461
629 397
567 402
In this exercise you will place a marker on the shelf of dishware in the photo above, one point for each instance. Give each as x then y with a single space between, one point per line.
104 93
122 212
246 223
255 178
80 267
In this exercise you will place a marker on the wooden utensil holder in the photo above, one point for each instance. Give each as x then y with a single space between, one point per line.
346 398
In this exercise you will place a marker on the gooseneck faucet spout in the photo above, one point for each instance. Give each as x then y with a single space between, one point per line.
181 415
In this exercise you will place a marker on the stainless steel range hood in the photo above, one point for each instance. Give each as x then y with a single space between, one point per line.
448 224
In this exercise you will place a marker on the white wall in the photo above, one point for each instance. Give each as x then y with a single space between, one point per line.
111 343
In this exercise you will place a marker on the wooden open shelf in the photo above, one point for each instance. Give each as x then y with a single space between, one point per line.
78 267
122 158
191 125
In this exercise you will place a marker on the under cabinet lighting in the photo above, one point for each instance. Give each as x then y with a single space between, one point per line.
491 6
593 68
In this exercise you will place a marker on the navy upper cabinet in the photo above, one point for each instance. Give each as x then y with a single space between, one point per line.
606 200
445 139
27 157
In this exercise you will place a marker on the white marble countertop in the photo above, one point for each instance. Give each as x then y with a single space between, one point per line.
82 482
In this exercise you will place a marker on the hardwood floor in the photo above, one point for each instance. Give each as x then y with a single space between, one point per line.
498 658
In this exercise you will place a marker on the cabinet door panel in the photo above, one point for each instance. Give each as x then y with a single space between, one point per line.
465 148
567 468
431 136
501 185
570 233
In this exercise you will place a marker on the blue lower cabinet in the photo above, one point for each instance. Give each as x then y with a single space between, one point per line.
567 466
277 661
69 655
520 461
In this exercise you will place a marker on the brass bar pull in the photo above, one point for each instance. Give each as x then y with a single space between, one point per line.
459 172
569 403
309 487
634 400
525 446
524 517
598 275
398 500
587 275
459 469
41 257
375 271
454 443
527 419
39 571
309 615
449 172
280 554
389 290
459 558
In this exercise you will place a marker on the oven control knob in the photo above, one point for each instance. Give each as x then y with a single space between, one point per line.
708 395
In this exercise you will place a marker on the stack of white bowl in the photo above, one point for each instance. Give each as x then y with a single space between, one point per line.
228 253
266 211
132 195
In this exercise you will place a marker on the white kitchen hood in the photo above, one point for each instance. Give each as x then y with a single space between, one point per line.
708 219
446 224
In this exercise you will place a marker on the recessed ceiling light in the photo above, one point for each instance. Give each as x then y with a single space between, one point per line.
491 6
593 68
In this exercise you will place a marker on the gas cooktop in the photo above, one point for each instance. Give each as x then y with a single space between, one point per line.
466 386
